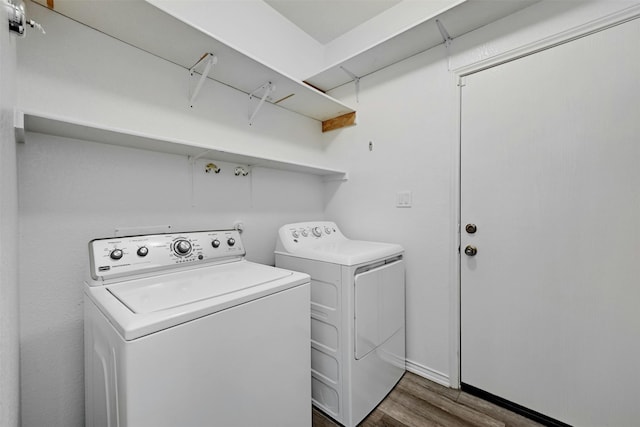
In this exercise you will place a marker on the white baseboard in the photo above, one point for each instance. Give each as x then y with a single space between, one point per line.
428 373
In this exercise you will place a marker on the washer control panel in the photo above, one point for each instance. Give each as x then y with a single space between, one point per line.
123 256
309 234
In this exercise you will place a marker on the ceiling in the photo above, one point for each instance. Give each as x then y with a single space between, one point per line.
326 20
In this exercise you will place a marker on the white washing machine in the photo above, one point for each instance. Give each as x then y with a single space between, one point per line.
181 330
357 316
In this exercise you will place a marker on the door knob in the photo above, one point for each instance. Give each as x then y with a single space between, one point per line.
471 228
470 250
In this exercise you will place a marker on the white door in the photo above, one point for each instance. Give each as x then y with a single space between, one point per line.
550 176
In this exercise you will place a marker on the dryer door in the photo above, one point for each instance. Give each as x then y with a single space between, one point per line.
379 306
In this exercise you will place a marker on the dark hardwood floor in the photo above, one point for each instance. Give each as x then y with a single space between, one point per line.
417 402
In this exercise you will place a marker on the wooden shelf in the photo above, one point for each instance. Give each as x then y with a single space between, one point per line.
458 20
34 122
146 27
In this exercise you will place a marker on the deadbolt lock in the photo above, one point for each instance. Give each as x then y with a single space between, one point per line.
471 228
470 250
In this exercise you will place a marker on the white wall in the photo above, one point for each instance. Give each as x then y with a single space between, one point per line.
410 112
73 191
9 346
80 74
67 193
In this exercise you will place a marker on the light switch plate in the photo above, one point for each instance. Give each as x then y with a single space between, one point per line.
404 199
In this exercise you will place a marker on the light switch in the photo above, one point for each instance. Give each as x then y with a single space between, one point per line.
403 199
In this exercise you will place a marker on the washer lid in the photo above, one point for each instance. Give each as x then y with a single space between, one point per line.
144 306
173 290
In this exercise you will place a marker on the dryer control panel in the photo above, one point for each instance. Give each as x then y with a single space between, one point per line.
293 237
132 255
323 241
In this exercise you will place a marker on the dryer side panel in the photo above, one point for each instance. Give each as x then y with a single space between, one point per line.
328 332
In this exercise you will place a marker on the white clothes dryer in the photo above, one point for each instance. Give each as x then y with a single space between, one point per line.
357 316
181 330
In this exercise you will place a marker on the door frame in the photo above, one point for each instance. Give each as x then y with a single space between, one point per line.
605 22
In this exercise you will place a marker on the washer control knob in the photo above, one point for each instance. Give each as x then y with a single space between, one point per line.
295 234
116 254
215 243
182 247
142 251
316 231
327 230
304 233
231 241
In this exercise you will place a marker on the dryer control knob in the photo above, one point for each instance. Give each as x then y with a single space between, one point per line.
327 230
317 231
304 233
182 247
215 243
116 254
231 241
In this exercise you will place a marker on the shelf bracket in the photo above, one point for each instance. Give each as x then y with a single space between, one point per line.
443 32
267 88
356 80
209 60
